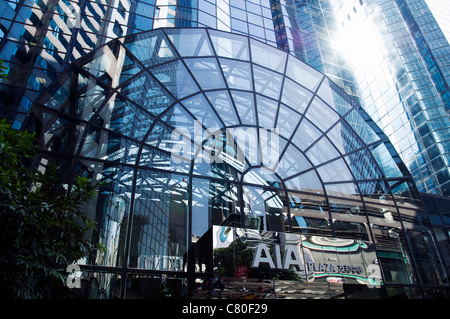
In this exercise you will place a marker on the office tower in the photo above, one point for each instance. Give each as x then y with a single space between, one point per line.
220 128
40 38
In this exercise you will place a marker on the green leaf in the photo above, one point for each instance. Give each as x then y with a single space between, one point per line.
37 221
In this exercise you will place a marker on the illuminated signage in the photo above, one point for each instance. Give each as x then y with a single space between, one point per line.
292 259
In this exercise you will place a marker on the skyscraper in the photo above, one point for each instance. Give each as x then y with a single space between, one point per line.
106 84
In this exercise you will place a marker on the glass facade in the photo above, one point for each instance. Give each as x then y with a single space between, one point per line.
222 158
391 57
40 38
400 76
402 72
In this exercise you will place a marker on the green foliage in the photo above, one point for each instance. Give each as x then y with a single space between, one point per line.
42 226
226 259
3 70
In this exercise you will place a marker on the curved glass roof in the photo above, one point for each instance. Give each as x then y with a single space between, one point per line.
204 84
191 128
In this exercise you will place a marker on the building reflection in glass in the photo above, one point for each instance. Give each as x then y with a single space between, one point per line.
182 137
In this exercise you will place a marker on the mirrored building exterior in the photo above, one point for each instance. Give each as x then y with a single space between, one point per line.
39 39
224 158
402 70
391 57
117 114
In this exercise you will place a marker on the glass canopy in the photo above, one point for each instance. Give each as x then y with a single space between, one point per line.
191 128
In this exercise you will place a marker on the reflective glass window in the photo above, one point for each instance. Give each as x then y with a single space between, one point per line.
265 209
245 105
237 13
179 118
444 210
124 117
287 121
62 135
214 203
385 160
327 94
149 48
223 104
303 74
322 151
173 160
344 190
176 78
109 146
267 82
307 182
220 156
237 73
206 72
269 57
365 132
113 201
335 171
200 108
176 137
229 46
248 143
159 224
321 115
238 4
239 26
309 214
207 7
392 251
363 166
190 42
355 229
261 176
305 135
91 97
100 65
292 162
295 96
344 138
374 191
146 92
346 209
266 110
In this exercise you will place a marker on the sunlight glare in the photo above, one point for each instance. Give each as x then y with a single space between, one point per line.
359 44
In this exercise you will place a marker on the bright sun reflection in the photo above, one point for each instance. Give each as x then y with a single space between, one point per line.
360 44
